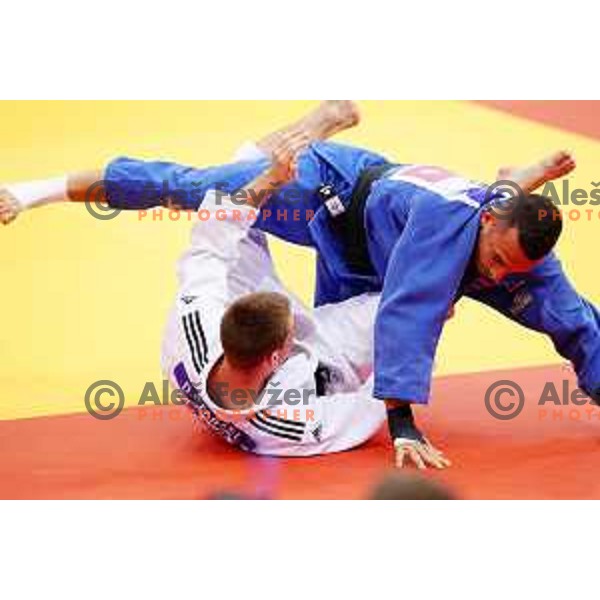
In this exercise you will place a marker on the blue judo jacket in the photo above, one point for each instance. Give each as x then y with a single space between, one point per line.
422 228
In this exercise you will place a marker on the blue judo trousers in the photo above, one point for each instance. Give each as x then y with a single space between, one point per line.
421 226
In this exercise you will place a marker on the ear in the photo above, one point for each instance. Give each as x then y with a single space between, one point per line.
275 359
488 219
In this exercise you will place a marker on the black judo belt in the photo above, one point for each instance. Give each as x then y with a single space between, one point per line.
349 222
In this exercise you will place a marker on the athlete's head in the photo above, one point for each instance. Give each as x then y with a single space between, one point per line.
517 240
257 331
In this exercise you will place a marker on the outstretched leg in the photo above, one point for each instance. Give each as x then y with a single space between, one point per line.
529 179
18 197
139 185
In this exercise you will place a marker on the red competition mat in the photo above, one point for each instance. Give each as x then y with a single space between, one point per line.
547 451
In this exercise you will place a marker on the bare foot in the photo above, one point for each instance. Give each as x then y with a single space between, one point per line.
556 166
331 117
343 112
9 207
560 164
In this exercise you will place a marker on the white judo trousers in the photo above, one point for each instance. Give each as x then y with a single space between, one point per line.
228 259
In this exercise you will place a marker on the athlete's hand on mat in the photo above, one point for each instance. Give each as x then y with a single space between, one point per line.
420 453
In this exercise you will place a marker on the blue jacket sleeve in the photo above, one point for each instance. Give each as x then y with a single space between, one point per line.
545 301
423 275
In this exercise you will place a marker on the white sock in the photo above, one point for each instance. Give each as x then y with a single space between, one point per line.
38 193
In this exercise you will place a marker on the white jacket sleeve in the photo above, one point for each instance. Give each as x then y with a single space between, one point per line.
203 272
214 250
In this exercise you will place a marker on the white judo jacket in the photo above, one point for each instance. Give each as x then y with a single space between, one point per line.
334 344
